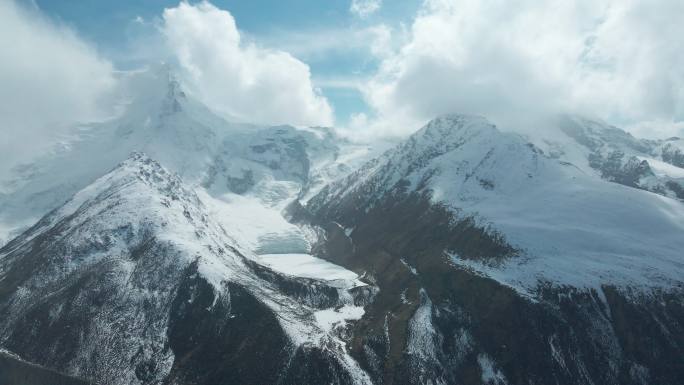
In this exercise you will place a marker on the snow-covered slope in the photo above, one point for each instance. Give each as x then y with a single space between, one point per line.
615 155
498 262
567 226
118 283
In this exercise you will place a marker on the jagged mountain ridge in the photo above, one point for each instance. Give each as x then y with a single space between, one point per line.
132 282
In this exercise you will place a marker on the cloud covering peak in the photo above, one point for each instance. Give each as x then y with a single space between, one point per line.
238 78
619 60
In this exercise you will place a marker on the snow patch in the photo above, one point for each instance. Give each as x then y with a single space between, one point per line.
306 266
422 334
411 268
490 374
663 169
332 318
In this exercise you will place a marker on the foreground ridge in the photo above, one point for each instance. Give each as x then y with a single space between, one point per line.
131 281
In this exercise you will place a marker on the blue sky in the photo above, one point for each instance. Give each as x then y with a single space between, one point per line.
111 27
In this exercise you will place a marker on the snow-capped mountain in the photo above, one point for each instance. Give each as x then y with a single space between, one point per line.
568 226
234 253
229 176
132 282
273 164
498 262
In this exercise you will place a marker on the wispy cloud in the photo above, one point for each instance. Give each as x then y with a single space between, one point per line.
341 82
49 78
364 8
375 40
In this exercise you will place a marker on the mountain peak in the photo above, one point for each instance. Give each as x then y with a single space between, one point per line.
150 172
545 207
458 117
156 88
141 196
137 189
148 169
454 126
445 133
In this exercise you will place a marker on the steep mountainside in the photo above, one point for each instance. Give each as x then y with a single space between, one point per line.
132 282
498 263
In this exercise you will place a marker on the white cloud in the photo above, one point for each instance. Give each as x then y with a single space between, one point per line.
240 79
48 79
322 43
364 8
619 60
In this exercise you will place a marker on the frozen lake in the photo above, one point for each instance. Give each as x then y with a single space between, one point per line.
305 265
260 227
